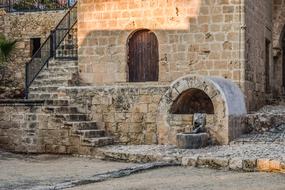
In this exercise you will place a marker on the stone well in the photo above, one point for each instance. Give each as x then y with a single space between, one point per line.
220 98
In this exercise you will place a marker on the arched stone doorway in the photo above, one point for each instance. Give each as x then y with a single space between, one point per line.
226 98
143 56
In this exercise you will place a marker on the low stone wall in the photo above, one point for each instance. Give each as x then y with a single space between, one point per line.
139 113
127 111
25 128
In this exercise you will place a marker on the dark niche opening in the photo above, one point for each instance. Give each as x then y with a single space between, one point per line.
35 46
192 101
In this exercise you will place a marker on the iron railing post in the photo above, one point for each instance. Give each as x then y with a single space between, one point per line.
9 6
27 81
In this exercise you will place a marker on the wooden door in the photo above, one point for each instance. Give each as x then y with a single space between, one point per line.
143 57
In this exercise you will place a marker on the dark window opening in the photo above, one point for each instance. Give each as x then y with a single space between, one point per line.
267 66
35 46
192 101
143 56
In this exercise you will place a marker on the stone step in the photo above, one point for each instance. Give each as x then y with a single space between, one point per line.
69 69
42 96
91 133
43 89
33 117
67 46
66 54
97 142
51 81
57 102
61 109
48 75
82 125
62 63
71 117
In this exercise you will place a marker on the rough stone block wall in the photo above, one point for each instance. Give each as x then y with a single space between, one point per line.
22 27
127 112
258 22
27 129
278 15
194 36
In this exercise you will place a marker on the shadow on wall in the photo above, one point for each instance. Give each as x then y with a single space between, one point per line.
185 40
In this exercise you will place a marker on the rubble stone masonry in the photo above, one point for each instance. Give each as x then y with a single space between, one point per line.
23 26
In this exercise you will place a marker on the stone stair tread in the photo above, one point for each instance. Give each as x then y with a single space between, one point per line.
73 114
58 74
89 130
79 122
62 67
82 125
57 102
71 117
61 109
99 141
56 79
90 133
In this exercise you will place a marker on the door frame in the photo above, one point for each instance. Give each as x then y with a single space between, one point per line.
128 49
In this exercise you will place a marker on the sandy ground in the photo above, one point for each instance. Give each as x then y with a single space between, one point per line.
28 172
176 178
25 172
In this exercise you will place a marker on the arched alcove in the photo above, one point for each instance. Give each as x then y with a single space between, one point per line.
143 56
192 101
227 120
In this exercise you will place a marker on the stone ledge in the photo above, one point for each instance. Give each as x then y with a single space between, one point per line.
21 102
255 162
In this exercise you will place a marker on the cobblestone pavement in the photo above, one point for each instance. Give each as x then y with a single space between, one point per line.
246 157
252 152
175 178
27 172
275 135
272 109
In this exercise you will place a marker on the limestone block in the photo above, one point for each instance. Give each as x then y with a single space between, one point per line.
192 141
189 161
249 165
235 164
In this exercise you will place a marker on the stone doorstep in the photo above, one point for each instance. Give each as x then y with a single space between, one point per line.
222 163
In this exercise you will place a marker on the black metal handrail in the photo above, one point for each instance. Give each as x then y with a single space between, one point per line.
48 49
35 5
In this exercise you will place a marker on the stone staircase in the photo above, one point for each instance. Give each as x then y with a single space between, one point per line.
60 73
68 47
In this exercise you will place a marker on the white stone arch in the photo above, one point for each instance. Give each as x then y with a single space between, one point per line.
228 101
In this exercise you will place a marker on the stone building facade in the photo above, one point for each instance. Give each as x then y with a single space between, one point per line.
228 38
23 27
229 51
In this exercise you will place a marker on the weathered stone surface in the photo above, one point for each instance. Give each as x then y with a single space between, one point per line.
246 157
22 27
192 141
127 111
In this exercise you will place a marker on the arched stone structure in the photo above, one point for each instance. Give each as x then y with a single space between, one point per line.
228 102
